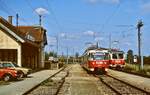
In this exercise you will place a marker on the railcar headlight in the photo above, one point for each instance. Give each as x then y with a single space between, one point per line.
93 63
106 69
16 71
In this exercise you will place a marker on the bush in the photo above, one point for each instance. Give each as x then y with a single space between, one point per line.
128 68
134 68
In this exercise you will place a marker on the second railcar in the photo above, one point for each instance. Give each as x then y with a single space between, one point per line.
117 59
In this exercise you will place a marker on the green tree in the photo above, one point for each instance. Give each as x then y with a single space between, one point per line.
147 60
48 54
54 54
130 56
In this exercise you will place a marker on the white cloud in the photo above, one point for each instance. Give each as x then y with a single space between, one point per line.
104 1
63 35
68 36
111 1
115 42
73 37
89 33
92 1
99 38
146 8
41 11
127 43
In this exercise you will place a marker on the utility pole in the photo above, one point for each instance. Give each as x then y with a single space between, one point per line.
97 44
140 59
17 18
67 55
110 41
57 43
40 20
73 56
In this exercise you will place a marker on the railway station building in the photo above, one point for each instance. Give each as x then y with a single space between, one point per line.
23 45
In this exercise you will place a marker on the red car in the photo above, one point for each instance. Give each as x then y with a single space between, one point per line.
7 74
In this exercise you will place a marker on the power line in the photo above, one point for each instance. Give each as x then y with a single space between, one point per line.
33 9
109 18
57 23
54 16
29 4
5 8
83 23
8 10
12 10
24 20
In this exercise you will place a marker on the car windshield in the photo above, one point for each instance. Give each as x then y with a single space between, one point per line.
7 65
15 65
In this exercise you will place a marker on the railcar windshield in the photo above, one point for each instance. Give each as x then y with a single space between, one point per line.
120 56
114 56
117 56
99 56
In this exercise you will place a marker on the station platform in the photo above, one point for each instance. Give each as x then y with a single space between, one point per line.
22 86
138 81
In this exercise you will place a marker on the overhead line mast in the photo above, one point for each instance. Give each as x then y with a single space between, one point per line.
139 25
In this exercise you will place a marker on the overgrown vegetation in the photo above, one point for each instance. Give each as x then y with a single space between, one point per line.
130 58
147 60
134 68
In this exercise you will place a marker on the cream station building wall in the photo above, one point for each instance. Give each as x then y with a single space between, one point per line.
9 45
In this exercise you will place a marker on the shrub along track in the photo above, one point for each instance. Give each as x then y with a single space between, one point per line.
120 87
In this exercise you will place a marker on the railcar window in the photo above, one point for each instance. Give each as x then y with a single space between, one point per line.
120 56
106 56
90 57
114 56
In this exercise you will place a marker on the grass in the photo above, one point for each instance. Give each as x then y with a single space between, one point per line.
134 68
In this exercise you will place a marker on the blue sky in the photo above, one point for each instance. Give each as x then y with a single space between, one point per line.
78 22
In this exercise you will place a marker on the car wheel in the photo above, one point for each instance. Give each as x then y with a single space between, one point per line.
21 75
26 75
7 77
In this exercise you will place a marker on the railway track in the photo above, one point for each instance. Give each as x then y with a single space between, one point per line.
113 86
63 84
120 87
52 85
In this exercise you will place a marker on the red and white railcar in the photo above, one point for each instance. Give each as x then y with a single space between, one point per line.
117 59
96 60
